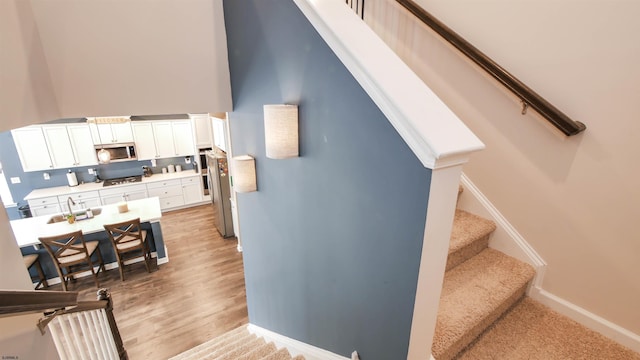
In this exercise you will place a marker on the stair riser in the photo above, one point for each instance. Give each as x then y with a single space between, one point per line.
458 257
475 332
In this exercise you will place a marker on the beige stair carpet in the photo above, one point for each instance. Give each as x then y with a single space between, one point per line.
532 331
469 235
474 295
237 344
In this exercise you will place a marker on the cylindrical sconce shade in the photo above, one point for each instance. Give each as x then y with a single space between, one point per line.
281 131
244 174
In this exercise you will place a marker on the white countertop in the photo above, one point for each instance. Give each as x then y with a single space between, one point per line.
28 230
68 190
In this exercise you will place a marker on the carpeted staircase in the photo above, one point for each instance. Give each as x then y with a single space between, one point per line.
484 314
237 344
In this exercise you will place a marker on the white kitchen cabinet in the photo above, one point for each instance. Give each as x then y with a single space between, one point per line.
183 138
70 145
163 132
123 192
112 133
59 146
169 192
191 189
219 133
144 139
203 130
32 148
44 206
163 139
82 145
83 200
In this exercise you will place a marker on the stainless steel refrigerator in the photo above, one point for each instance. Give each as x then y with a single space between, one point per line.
219 187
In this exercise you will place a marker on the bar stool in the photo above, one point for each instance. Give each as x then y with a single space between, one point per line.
34 260
72 255
129 242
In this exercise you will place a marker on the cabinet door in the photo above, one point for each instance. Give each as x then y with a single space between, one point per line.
145 142
105 135
32 149
203 130
183 138
122 132
191 193
82 145
45 210
59 146
163 132
219 133
82 205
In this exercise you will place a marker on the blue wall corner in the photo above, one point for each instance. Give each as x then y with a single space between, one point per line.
332 239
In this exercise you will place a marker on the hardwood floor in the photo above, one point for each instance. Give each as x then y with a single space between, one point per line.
196 296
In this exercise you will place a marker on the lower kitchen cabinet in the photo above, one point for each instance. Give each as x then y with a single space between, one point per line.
44 206
169 192
123 193
83 200
191 190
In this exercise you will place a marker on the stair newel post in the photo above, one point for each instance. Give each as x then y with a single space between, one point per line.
104 294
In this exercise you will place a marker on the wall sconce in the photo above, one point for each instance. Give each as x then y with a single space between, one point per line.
244 174
281 131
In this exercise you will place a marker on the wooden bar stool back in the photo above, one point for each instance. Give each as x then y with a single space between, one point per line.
72 255
34 260
129 242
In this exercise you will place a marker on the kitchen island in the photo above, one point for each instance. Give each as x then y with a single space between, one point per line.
27 231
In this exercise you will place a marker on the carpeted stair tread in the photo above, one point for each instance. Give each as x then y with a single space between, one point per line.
239 349
532 331
212 344
475 294
236 341
469 235
259 352
282 354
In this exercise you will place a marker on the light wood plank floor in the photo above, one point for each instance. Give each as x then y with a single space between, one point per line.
196 296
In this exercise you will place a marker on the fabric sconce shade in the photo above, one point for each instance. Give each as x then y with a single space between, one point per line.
281 131
244 174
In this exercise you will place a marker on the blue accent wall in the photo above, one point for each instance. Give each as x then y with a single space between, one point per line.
332 239
30 181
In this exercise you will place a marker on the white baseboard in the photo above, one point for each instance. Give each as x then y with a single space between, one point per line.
295 347
508 240
588 319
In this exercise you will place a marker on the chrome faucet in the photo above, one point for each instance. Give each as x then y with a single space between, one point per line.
70 202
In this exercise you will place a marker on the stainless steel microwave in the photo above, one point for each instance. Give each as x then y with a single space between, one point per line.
118 152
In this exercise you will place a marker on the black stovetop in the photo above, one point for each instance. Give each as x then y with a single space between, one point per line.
122 180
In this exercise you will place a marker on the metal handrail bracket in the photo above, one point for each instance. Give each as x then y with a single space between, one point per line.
529 98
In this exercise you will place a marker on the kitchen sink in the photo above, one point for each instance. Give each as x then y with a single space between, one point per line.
79 214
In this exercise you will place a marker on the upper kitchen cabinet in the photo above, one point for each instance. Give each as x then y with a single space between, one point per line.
163 139
32 148
219 133
111 133
203 130
54 146
82 144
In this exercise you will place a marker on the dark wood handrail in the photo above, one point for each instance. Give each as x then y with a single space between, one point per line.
528 97
16 301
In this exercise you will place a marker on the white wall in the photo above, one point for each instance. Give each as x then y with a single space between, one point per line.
574 199
104 57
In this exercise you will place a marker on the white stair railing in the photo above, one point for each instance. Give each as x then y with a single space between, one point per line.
83 335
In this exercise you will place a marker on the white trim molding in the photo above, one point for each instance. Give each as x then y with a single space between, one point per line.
295 347
506 238
432 131
588 319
